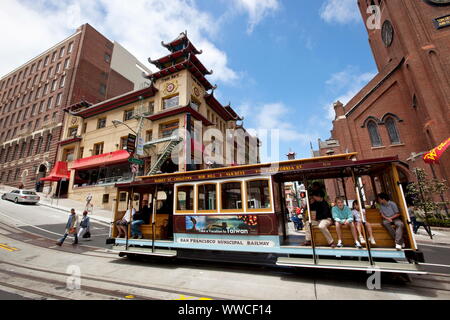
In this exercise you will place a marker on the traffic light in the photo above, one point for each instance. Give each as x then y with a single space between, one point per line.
303 195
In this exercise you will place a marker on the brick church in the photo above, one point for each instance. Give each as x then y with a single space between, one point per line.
405 108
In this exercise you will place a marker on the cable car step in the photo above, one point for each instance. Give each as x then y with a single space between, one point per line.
145 251
350 265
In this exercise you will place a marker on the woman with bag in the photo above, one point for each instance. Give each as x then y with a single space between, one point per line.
84 232
71 228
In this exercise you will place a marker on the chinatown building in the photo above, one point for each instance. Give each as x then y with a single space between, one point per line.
182 125
405 110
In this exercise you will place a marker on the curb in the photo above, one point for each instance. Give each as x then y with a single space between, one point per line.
93 217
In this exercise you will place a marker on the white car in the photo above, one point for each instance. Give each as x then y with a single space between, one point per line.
22 196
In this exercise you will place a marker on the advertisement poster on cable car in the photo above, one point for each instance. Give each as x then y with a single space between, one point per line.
222 224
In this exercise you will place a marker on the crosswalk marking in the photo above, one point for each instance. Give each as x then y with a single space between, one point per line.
7 248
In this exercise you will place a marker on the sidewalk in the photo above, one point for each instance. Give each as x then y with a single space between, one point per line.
65 205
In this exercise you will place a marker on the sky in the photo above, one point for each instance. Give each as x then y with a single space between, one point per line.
281 63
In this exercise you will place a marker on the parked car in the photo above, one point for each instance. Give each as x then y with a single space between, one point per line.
22 196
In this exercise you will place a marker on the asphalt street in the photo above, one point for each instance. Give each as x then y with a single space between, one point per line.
28 234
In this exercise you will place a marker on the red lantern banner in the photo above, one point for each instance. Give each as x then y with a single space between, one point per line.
434 155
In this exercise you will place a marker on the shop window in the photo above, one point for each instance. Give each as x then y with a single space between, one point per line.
207 197
231 193
185 198
258 194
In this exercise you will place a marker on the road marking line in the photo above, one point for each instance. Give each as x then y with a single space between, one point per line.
8 248
29 225
433 245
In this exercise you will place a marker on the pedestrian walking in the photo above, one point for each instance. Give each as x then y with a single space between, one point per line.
71 228
85 224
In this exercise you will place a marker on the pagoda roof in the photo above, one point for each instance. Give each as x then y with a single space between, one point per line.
173 46
187 53
233 113
218 107
115 102
187 64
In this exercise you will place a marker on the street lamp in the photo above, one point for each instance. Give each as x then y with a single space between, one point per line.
116 123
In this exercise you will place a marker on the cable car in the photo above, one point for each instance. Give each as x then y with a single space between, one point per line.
239 214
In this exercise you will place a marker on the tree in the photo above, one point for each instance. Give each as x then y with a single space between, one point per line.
424 192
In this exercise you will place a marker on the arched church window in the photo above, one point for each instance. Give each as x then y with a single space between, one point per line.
374 134
392 131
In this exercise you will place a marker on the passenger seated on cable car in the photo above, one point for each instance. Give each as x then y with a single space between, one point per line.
140 218
323 219
122 224
391 217
358 214
343 217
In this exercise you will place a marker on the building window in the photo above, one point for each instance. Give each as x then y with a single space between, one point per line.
46 88
67 64
61 53
128 115
58 99
148 136
62 82
54 56
50 72
54 83
39 144
49 142
101 123
123 143
374 134
69 50
151 107
80 153
107 58
73 132
83 128
171 102
102 89
167 129
58 67
49 104
98 149
42 107
392 131
68 155
30 149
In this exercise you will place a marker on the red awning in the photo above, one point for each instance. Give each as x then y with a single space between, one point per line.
58 172
101 160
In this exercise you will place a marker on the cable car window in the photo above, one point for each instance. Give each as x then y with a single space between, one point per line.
258 194
185 198
231 196
207 197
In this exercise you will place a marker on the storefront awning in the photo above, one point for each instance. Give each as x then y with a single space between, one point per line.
58 173
101 160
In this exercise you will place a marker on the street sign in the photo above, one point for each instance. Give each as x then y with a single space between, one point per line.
140 147
136 161
131 143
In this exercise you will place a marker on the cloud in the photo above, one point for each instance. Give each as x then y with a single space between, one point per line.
345 85
340 11
257 10
139 27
